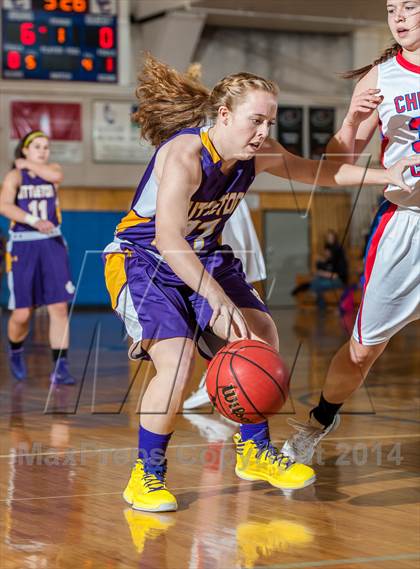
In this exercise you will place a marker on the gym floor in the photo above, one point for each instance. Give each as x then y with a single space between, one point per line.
66 453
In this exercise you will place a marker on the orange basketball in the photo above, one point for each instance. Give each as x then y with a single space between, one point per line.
247 381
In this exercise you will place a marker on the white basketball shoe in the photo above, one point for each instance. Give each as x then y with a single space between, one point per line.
302 444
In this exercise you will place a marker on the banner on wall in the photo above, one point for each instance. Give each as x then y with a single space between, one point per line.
321 129
290 129
116 139
60 121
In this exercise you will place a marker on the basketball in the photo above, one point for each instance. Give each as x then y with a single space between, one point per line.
247 381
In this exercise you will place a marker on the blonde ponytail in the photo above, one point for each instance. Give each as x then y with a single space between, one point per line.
168 101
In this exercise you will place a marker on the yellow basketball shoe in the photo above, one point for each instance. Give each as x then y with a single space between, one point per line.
146 489
260 460
145 527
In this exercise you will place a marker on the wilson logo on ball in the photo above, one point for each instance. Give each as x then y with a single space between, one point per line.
247 381
231 398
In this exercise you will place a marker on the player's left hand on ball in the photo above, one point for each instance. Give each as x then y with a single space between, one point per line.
231 316
396 172
238 322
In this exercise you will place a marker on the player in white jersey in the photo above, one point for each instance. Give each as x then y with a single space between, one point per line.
387 95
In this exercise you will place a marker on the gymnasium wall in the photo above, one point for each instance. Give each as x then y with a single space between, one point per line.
306 65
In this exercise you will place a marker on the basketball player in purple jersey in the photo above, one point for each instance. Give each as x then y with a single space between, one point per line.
167 275
387 96
36 259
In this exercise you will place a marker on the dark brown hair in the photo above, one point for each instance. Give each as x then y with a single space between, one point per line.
27 140
362 71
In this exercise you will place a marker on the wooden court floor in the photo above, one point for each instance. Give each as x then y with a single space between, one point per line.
65 455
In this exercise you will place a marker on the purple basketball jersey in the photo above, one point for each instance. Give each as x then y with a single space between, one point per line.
37 197
210 207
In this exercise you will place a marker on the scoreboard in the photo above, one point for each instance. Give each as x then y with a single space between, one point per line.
64 40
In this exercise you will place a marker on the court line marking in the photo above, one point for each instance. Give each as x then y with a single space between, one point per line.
87 495
119 493
193 445
372 437
349 561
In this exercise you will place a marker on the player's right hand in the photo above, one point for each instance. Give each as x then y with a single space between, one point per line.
362 106
44 226
229 315
396 171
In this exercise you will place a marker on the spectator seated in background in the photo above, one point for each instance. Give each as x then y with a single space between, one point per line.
331 271
339 259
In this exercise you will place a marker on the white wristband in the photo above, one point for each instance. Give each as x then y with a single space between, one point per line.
31 220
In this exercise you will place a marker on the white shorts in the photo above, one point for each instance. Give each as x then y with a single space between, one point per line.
391 294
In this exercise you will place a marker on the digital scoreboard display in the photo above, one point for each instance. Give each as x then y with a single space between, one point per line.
64 40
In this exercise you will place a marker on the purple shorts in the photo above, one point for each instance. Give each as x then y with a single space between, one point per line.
155 304
38 273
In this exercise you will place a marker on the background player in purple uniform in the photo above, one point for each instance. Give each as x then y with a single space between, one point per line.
37 260
166 273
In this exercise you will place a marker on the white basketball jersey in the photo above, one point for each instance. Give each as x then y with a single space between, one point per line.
399 114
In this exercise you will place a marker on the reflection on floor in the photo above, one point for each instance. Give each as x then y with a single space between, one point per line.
65 455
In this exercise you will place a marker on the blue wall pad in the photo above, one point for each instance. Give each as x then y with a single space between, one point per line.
86 233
